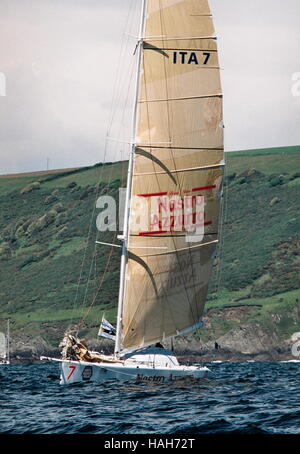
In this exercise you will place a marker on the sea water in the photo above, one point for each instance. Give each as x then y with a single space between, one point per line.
245 398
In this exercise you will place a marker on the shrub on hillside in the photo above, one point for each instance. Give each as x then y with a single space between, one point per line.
27 261
276 180
42 222
5 251
72 185
295 175
241 180
30 187
63 233
61 219
58 207
50 199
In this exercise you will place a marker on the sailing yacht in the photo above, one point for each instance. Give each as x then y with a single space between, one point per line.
4 347
176 160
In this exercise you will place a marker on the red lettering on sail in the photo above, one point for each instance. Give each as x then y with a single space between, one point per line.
157 194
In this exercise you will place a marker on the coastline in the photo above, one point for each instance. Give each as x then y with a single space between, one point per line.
186 356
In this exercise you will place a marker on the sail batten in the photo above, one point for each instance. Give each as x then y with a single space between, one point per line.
176 250
178 38
183 170
177 174
217 95
152 145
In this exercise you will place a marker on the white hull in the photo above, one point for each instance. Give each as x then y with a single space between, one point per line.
5 361
149 366
79 371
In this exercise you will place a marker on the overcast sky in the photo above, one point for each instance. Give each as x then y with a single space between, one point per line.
60 59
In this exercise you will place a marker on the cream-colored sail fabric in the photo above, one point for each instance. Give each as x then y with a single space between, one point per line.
179 153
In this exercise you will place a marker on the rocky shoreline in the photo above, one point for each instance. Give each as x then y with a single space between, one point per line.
273 355
28 350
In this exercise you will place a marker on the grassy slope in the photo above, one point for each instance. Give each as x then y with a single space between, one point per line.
41 261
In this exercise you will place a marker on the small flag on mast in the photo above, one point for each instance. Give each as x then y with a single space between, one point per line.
107 330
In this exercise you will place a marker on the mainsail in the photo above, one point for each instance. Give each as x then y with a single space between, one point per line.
178 153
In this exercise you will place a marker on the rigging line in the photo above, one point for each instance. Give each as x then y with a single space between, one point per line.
128 95
83 261
125 102
123 115
97 195
122 55
84 317
174 161
122 81
89 235
223 221
118 99
99 192
89 275
95 253
95 247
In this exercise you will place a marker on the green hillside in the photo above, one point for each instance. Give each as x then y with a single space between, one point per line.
51 269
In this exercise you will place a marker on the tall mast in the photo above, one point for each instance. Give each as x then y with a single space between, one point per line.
124 238
7 340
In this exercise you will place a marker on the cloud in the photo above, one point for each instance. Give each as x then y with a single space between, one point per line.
61 59
258 45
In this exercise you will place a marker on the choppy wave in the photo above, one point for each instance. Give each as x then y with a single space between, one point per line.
241 398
